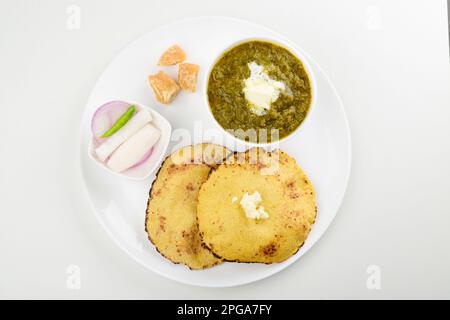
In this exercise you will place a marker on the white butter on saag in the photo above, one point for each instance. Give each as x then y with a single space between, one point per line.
260 90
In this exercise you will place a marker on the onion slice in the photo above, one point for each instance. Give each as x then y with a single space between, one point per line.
143 159
105 117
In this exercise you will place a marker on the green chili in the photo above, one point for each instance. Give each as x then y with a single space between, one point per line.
120 122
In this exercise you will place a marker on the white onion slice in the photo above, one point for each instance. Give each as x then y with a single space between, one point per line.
143 159
105 117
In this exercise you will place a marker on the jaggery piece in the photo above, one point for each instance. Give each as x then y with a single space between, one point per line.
164 87
172 56
187 76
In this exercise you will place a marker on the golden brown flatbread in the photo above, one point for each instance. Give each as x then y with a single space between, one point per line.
287 196
171 219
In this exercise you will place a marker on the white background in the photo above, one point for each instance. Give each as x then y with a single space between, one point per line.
390 63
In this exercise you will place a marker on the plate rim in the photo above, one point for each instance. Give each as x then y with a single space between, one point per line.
312 61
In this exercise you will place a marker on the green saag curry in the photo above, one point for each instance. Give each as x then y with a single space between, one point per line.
230 106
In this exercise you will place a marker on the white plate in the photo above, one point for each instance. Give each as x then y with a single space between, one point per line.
322 149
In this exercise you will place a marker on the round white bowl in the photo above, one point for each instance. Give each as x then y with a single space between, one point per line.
296 52
144 170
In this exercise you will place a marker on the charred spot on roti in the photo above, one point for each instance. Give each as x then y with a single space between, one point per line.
270 249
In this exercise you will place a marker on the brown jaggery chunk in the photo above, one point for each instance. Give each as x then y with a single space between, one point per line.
172 56
164 87
187 76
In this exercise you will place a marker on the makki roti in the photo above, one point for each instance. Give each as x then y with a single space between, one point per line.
287 196
171 221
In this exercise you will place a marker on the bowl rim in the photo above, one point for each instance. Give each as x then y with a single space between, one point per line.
292 48
167 132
